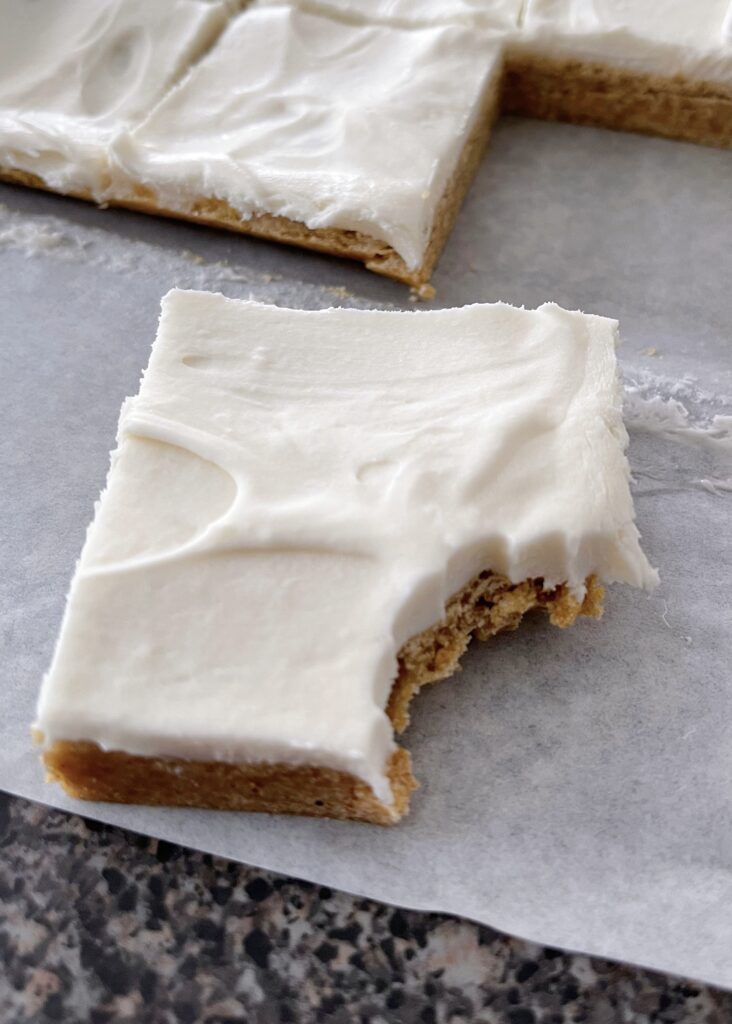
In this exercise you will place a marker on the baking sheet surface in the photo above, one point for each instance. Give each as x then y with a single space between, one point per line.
576 786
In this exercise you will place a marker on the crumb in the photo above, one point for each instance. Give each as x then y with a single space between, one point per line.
425 292
650 351
340 291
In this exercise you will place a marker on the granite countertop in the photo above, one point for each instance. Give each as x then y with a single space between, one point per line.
98 925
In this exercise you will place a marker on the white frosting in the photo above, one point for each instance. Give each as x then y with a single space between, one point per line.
666 37
72 74
295 494
497 14
329 123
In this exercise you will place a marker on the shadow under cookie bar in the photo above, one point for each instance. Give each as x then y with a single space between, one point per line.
487 605
594 93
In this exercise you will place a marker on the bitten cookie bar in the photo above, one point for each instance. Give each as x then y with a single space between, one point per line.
663 67
354 139
308 516
72 75
502 15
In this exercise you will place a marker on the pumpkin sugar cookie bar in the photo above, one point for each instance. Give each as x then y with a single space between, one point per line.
354 139
308 516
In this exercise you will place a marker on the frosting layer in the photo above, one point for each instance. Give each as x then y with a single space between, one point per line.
666 37
332 124
73 74
295 494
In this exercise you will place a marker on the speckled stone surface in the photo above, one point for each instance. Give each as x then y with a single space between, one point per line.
101 925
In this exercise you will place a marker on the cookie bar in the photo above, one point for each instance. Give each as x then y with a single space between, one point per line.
354 139
307 517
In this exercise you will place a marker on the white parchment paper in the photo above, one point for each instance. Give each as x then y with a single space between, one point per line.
576 786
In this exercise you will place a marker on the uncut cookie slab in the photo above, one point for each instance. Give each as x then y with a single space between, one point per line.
353 139
662 67
307 517
74 74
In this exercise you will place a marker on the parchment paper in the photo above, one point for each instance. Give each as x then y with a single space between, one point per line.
576 786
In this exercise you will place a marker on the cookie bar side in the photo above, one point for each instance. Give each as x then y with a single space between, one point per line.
594 93
87 772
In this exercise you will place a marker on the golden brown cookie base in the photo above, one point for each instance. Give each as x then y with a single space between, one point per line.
487 605
376 255
585 92
89 773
